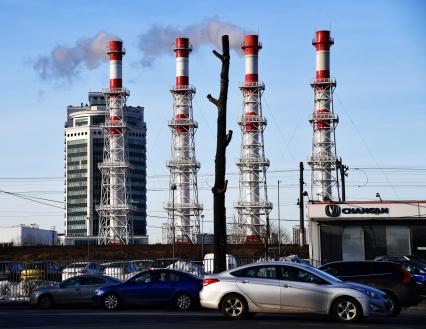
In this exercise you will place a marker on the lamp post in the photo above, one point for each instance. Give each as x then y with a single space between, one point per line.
173 188
279 222
202 237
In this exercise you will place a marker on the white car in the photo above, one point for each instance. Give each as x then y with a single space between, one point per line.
121 270
208 263
281 287
81 268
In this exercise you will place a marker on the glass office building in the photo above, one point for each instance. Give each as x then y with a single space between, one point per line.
84 142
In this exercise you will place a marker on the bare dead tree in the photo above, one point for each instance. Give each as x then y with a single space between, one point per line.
222 141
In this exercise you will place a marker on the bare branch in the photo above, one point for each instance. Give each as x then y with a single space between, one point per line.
212 99
220 56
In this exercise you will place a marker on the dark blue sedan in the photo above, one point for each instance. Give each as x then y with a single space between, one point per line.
158 286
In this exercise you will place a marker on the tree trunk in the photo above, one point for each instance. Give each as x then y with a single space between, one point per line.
222 142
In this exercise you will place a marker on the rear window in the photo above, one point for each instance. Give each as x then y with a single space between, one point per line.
387 268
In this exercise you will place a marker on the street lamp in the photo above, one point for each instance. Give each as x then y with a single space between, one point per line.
202 237
279 222
173 188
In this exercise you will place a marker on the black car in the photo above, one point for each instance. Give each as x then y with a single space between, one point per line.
389 277
412 258
416 269
10 271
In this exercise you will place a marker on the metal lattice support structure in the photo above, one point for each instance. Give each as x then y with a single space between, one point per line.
115 210
183 207
253 205
324 122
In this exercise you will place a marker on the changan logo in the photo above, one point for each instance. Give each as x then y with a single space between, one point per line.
333 210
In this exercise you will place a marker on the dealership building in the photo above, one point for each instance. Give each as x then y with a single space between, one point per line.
363 230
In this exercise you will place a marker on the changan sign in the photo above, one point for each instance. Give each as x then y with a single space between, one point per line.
365 210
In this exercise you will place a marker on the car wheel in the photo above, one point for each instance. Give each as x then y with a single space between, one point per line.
395 306
110 301
234 307
45 302
183 302
347 309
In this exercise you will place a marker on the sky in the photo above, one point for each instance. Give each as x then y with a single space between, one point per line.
378 60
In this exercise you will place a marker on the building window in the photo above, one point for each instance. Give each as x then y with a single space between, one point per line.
331 243
418 238
397 240
353 243
375 241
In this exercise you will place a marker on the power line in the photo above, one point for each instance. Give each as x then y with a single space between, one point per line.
30 199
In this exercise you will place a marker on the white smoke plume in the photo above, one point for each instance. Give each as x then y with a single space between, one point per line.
65 63
158 40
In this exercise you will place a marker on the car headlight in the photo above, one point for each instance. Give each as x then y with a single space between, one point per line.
367 292
98 292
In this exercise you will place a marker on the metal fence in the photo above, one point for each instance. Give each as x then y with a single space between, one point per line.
18 280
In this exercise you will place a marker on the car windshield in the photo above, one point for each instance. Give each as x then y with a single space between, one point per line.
324 275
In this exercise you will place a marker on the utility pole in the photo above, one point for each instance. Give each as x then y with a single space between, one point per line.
173 188
202 237
222 141
267 237
301 206
343 173
279 222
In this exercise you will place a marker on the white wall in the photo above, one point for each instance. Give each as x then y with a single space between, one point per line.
27 236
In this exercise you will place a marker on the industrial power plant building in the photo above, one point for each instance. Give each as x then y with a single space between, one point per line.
84 149
27 235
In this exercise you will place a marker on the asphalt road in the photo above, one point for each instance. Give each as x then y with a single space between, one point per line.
81 318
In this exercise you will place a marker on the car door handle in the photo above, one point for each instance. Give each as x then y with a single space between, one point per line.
245 281
286 286
77 289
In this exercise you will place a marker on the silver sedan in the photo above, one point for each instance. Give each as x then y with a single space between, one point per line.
281 287
78 289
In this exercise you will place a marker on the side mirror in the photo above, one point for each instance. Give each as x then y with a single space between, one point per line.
415 271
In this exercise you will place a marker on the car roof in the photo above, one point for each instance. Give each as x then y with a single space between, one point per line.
94 276
273 263
359 261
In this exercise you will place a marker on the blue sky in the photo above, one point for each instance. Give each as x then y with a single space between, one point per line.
379 61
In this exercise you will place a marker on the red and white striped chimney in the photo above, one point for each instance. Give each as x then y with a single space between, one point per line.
322 43
182 49
115 52
251 46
